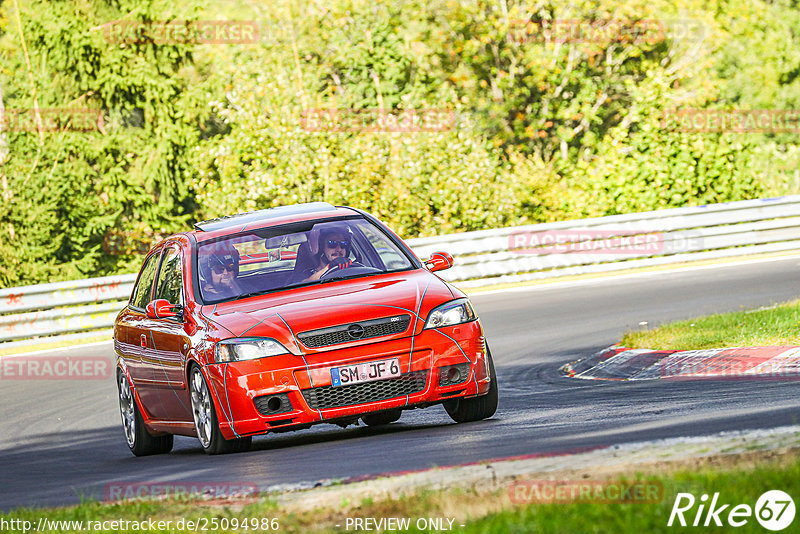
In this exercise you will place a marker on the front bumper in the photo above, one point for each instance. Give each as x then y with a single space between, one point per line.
306 381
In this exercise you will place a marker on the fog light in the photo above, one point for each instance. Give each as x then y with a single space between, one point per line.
273 404
453 374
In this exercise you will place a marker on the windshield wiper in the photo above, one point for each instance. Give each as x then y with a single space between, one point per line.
337 278
256 293
306 284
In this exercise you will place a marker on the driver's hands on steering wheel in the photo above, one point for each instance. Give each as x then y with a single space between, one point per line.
340 263
337 263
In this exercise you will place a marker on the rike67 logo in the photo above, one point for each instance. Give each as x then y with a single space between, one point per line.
774 510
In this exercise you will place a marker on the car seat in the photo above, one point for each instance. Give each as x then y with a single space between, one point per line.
303 264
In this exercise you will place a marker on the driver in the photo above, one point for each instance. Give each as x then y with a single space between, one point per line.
333 243
221 270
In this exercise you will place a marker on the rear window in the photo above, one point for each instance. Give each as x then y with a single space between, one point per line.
314 252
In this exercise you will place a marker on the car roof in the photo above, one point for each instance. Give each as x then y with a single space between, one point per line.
268 217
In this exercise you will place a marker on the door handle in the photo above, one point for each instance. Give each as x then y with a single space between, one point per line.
143 340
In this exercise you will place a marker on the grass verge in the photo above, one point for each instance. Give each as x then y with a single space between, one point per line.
734 488
776 325
739 479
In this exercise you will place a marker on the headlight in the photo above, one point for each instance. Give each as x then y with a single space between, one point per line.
451 313
236 350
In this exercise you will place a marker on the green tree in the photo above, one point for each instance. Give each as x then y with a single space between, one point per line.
66 190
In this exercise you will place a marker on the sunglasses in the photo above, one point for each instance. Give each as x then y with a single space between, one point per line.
332 243
219 269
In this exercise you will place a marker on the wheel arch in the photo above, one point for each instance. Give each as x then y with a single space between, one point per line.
122 368
223 416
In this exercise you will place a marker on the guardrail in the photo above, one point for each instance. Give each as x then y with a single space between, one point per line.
482 258
62 307
618 242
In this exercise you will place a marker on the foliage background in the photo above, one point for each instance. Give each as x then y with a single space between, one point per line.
543 131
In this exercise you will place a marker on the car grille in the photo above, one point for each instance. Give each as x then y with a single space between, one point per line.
345 333
323 397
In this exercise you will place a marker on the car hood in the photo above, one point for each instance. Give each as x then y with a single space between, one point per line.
285 314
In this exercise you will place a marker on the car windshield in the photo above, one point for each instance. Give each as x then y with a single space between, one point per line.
271 259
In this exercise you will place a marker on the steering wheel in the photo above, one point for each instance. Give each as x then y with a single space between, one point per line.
340 266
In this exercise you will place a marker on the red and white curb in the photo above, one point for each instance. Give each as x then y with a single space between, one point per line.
621 363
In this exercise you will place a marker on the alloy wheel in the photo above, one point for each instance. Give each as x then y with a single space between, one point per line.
127 410
201 407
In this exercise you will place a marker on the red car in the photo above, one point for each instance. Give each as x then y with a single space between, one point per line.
280 319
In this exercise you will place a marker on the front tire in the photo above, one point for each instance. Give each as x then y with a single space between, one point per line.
140 441
206 422
476 408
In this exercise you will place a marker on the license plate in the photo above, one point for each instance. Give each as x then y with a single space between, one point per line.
365 372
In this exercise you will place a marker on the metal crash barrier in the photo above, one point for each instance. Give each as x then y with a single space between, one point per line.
482 258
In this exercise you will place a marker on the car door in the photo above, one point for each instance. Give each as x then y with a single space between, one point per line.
133 327
169 340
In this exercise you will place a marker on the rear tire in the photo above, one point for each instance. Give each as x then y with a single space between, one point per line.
206 422
382 418
476 408
140 441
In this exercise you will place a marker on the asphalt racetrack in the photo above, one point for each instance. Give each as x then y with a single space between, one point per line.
61 440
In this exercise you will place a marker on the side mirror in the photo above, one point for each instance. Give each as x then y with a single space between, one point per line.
439 261
161 309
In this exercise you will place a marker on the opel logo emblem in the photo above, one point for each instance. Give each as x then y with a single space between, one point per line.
355 331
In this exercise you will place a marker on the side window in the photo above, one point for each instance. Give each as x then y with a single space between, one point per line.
141 293
170 281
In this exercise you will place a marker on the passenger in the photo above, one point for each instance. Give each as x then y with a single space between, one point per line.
221 270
